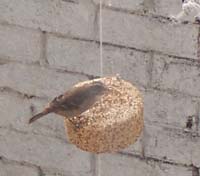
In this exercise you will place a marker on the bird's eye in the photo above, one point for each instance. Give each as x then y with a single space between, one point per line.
183 1
59 97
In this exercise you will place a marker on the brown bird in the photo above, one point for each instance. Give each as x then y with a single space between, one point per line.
75 101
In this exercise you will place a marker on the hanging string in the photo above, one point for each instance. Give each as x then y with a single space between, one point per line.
101 37
98 159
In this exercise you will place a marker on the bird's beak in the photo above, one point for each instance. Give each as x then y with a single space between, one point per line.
37 116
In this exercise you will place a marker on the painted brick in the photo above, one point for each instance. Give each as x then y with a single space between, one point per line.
167 8
135 148
195 152
173 145
44 142
37 80
157 7
47 173
149 34
131 65
83 56
54 174
19 44
167 143
164 108
20 111
10 169
53 16
174 74
51 125
74 55
45 152
125 165
171 8
125 4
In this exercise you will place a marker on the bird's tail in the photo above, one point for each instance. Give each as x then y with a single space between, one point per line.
37 116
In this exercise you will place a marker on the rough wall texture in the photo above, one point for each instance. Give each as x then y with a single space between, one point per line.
48 45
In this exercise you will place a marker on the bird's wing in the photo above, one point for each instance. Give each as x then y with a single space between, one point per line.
76 97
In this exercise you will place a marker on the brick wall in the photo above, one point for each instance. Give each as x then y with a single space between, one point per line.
46 46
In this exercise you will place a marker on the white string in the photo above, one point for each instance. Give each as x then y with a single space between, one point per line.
101 38
98 159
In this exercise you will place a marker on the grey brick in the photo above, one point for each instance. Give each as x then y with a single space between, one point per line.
19 44
135 148
83 56
164 108
74 55
54 174
157 7
18 111
124 165
132 65
74 19
167 8
45 152
35 80
127 4
174 145
13 169
195 152
171 8
174 74
167 143
149 34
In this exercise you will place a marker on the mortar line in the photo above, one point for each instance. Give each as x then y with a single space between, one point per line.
40 169
160 18
20 163
143 142
139 12
198 117
157 160
120 46
95 164
95 22
20 94
59 35
57 69
43 49
5 23
12 129
169 91
147 158
173 92
150 69
71 1
198 44
92 164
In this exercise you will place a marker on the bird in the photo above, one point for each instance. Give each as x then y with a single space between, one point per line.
74 101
